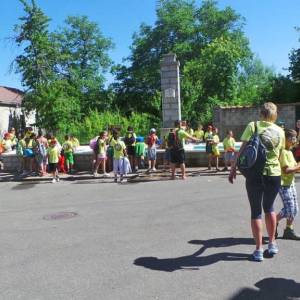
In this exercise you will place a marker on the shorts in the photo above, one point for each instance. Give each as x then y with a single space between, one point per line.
288 195
229 156
130 150
208 148
119 166
41 159
102 156
151 154
177 156
52 167
167 155
262 192
69 157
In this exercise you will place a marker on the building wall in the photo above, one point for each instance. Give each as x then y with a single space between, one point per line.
236 118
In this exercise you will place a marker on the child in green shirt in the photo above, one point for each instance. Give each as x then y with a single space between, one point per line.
287 190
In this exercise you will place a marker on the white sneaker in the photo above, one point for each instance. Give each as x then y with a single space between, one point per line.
95 174
53 180
153 169
106 175
57 179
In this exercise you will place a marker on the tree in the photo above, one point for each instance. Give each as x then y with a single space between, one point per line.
209 44
83 60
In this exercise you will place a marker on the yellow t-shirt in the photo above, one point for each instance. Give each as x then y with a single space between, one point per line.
228 144
75 142
208 136
102 146
199 134
287 160
53 154
119 147
272 136
216 141
67 146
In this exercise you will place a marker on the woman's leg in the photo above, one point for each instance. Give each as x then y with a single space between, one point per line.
256 226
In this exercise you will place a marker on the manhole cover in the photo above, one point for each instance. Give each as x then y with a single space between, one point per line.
60 216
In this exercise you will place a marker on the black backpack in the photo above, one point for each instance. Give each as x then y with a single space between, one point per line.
252 159
174 141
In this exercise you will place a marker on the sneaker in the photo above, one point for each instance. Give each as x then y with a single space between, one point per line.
290 234
273 249
106 175
258 255
57 179
53 180
153 169
116 180
95 174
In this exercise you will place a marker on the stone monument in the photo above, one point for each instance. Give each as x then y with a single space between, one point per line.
170 86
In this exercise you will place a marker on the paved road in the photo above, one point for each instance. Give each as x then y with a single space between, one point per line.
152 240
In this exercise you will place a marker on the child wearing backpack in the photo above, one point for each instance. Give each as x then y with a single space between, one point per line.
287 189
101 156
68 150
151 152
140 148
119 148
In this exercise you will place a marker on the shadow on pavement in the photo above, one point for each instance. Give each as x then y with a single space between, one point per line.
194 261
270 288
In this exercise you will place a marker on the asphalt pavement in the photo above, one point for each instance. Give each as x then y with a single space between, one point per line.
143 239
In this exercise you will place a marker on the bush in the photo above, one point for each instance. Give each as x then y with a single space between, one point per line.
96 122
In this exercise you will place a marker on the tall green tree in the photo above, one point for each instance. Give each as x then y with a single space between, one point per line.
49 96
210 45
83 60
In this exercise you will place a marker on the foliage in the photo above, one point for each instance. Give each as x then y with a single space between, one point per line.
83 60
93 123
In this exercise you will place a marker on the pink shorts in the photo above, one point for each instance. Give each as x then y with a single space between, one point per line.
102 156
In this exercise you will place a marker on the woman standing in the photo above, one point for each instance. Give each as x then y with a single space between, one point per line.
263 190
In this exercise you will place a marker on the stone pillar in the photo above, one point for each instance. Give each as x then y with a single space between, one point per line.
170 86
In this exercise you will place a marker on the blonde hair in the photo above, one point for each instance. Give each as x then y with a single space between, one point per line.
268 111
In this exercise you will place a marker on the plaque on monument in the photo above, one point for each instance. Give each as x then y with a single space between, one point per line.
170 93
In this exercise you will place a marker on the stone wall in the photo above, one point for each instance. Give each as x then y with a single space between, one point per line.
83 161
236 118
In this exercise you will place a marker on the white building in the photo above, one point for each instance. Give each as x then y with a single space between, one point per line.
11 114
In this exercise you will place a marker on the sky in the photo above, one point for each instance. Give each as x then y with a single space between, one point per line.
269 26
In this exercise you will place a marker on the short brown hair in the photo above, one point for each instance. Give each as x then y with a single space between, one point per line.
290 133
268 111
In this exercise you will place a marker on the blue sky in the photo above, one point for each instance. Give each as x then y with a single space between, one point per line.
269 26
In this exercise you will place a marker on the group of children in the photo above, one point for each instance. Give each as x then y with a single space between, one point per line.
38 154
123 155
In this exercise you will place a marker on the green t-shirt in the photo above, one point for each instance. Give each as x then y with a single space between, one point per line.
272 136
53 154
119 147
199 134
182 135
68 147
208 136
287 160
140 149
228 144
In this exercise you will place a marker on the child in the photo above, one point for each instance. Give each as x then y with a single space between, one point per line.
229 154
100 151
53 158
140 152
208 137
287 190
199 133
119 153
68 153
151 142
130 140
215 149
167 157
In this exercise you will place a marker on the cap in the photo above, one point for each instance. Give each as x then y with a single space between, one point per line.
153 130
